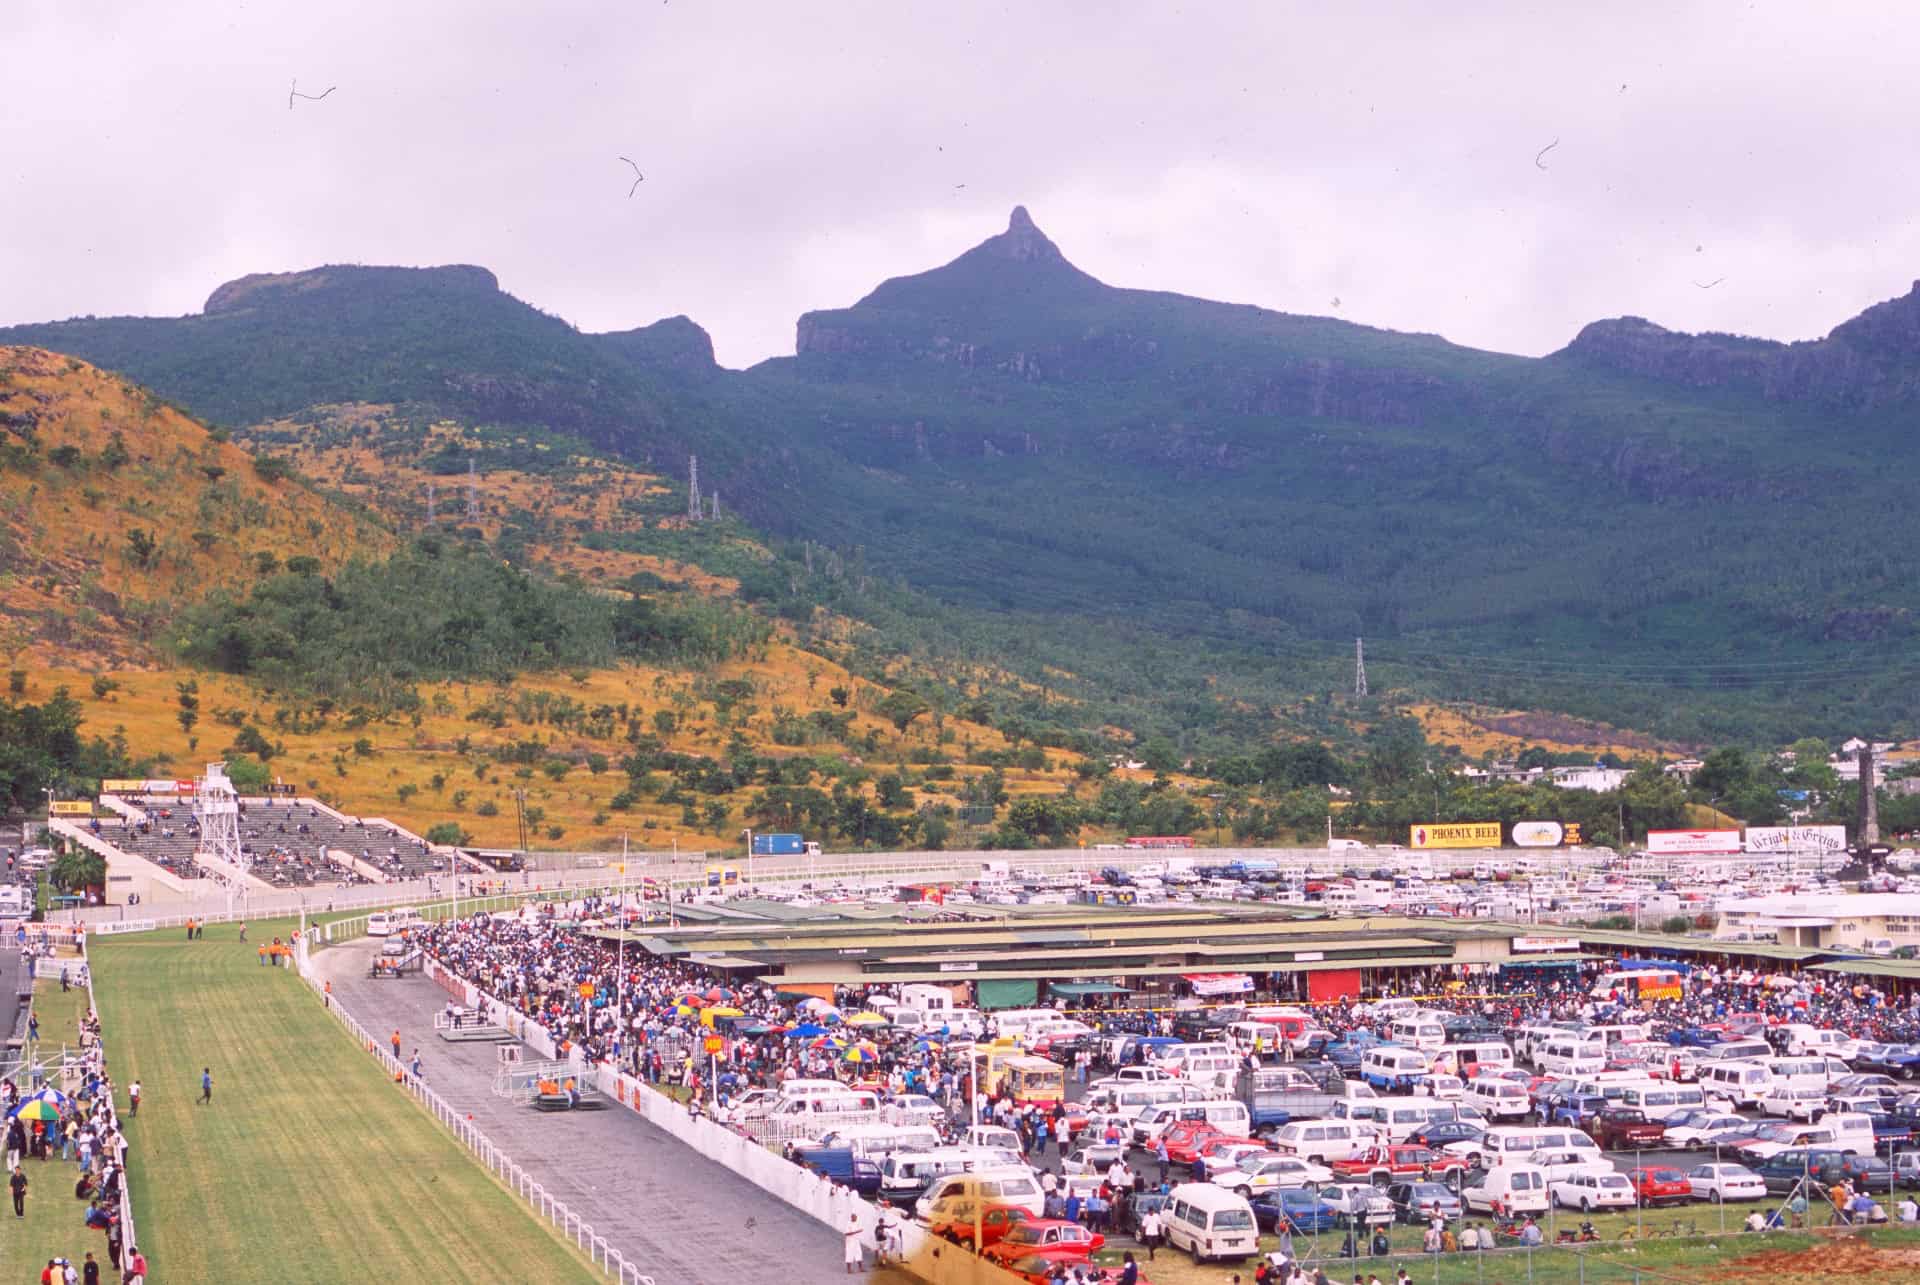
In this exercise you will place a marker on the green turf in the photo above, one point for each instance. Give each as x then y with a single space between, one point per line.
309 1165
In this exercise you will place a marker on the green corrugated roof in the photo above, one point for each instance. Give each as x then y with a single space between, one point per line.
1907 968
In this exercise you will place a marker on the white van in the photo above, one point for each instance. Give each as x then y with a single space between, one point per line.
1741 1083
878 1141
1794 1101
1014 1022
1662 1100
1811 1072
1397 1118
1210 1070
1127 1099
906 1174
1803 1038
1745 1050
1259 1038
382 923
1209 1221
1322 1140
1226 1115
1418 1031
1475 1058
1507 1191
1500 1099
1507 1144
1009 1186
1393 1067
811 1088
1570 1056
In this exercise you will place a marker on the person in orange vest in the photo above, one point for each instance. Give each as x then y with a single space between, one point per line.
396 1045
326 993
263 954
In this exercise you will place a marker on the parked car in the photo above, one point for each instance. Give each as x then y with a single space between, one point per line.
1660 1185
1095 1157
1715 1129
1627 1129
1052 1236
1358 1202
1438 1134
1300 1208
1561 1163
953 1219
1718 1182
1417 1202
1255 1175
1591 1189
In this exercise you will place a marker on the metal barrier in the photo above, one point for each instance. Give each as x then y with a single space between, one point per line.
597 1248
128 1240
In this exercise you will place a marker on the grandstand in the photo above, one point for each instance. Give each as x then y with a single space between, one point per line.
288 843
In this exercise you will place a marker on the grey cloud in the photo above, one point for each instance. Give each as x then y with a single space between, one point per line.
797 155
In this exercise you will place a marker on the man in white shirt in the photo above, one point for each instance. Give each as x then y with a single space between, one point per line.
1909 1211
1150 1231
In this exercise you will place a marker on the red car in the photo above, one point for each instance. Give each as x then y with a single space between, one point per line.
1211 1147
1396 1160
954 1220
1660 1185
1054 1237
1184 1137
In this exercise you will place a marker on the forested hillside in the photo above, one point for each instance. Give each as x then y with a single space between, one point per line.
1167 515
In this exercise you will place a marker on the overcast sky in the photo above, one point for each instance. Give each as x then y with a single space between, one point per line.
797 154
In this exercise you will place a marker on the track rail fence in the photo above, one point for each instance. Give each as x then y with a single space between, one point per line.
128 1240
502 1165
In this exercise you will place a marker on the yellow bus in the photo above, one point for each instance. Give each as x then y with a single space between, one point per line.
1035 1081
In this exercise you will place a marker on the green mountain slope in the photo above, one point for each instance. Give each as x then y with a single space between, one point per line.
1178 513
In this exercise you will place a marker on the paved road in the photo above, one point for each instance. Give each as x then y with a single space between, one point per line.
677 1215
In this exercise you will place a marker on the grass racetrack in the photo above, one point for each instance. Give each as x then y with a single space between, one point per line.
309 1165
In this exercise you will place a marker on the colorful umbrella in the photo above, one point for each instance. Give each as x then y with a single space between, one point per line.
862 1053
37 1109
831 1042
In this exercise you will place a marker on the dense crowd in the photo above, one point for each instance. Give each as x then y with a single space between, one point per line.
52 1135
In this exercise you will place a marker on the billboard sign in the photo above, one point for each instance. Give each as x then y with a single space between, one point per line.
1670 843
1796 838
1546 943
1463 834
71 808
1546 834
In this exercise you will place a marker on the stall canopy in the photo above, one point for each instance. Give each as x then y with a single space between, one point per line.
1008 993
1219 983
1080 990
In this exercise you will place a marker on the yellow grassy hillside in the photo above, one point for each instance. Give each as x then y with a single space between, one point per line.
115 508
376 455
367 764
1505 733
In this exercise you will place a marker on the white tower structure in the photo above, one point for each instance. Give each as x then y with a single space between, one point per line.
216 807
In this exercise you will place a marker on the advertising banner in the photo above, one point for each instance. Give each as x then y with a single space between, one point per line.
1546 834
1664 843
1796 838
72 808
1555 944
1462 834
123 787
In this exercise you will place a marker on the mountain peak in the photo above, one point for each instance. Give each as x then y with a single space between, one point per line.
1022 241
272 287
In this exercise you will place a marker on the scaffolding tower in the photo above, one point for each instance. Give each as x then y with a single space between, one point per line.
216 809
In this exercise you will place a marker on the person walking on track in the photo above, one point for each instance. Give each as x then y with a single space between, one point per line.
206 1086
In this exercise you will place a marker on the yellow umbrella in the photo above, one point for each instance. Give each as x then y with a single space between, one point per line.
866 1019
723 1011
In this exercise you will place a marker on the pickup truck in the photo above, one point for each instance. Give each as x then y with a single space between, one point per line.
1378 1163
1626 1129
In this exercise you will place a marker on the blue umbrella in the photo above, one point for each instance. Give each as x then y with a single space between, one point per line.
806 1031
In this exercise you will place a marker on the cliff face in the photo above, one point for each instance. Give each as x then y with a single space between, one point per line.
1868 362
260 288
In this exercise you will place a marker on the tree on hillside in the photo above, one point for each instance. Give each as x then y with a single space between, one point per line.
901 706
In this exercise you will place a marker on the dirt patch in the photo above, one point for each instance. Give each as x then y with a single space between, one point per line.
1846 1258
1562 729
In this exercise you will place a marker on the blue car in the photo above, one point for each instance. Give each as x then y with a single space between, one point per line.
1346 1053
1694 1037
1302 1208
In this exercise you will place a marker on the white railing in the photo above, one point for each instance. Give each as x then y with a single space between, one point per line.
597 1248
128 1240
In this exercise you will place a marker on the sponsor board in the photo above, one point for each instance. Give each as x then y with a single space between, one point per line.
70 808
1692 842
149 787
1461 834
1546 943
969 967
1796 838
1546 834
